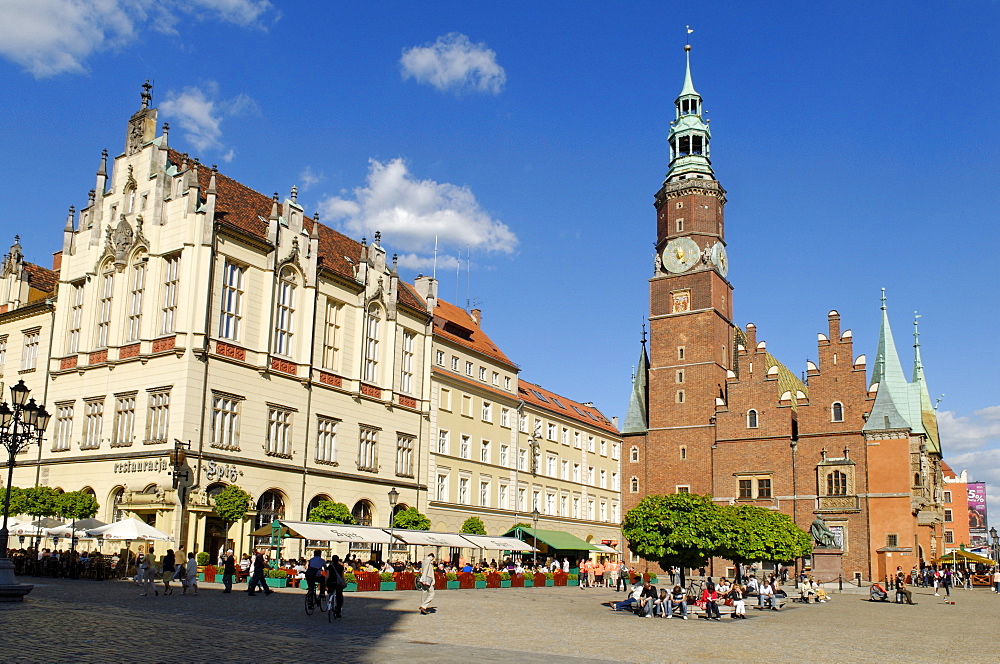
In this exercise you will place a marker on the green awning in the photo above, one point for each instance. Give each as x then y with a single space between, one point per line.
556 539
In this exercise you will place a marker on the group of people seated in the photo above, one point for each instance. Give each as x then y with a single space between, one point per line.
647 601
810 591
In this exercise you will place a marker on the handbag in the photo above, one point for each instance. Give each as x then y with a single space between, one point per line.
337 582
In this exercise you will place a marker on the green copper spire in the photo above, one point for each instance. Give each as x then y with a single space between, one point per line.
689 135
920 398
635 418
892 403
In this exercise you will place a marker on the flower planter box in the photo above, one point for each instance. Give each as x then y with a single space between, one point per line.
276 583
504 584
529 583
351 588
303 584
480 584
387 585
573 582
206 579
516 581
466 580
550 582
453 585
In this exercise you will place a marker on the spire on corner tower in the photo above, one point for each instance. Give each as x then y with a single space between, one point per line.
636 420
689 136
891 409
920 399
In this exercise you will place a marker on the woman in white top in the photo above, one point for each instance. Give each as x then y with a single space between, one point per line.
191 570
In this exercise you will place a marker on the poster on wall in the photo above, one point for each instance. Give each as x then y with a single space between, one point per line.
977 514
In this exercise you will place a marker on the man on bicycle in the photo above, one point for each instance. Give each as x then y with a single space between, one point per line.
314 573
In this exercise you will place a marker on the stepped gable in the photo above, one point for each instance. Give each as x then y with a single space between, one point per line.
457 326
539 397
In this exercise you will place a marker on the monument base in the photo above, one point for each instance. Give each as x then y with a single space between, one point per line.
826 565
10 589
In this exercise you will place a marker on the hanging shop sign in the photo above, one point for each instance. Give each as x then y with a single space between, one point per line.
222 471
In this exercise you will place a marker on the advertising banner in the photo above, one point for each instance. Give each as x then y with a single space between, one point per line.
977 514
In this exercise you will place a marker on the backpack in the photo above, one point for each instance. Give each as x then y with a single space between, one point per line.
336 580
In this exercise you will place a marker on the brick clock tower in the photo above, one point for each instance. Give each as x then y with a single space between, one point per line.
669 431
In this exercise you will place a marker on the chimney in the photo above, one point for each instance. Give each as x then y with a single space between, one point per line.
56 261
427 288
477 315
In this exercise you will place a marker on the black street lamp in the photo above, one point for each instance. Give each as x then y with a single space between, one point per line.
996 545
393 499
534 532
21 423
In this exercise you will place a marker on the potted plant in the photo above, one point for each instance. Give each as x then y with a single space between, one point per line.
550 579
528 580
480 580
452 581
572 579
351 581
202 558
505 579
386 582
276 578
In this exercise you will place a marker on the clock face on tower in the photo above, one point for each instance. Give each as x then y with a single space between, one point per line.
680 255
719 259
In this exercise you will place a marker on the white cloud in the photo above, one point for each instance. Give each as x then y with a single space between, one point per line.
309 178
454 63
49 37
411 213
427 263
199 112
969 432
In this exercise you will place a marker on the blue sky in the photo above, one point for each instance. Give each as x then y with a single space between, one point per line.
857 142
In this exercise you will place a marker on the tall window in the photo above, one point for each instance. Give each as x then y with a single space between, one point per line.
124 423
226 422
576 440
331 335
764 487
279 432
442 487
504 455
372 325
615 482
484 452
171 278
442 441
550 503
565 436
522 459
836 484
565 469
463 490
604 448
502 496
368 449
439 358
552 432
590 443
751 419
29 358
64 427
604 479
404 455
484 494
75 319
615 450
138 287
837 412
284 313
633 485
94 412
326 439
550 466
104 309
463 449
3 350
487 411
505 417
406 364
158 417
522 423
230 322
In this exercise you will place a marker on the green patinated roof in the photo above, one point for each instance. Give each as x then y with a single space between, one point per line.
688 88
556 539
635 419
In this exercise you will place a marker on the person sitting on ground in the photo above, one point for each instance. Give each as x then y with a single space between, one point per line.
647 600
820 591
903 592
765 597
806 591
678 598
633 597
661 605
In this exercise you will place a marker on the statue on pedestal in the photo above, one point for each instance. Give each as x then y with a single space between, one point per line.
822 535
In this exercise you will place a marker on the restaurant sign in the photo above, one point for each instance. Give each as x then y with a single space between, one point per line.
142 466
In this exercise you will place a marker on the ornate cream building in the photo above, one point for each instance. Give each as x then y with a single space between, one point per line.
196 315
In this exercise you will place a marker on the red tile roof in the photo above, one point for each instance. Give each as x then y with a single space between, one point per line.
477 384
456 325
238 206
41 278
574 410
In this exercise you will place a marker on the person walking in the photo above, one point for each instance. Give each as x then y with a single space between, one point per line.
335 585
427 584
228 571
191 577
996 579
168 571
257 580
148 569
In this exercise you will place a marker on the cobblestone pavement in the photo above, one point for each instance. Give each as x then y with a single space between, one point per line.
85 621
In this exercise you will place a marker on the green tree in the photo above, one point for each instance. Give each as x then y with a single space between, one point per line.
411 519
18 501
519 524
76 505
328 511
232 504
750 533
677 529
473 526
40 501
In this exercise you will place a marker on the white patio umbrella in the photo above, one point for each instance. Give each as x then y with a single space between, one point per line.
130 529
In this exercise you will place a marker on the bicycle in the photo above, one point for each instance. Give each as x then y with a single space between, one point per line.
313 601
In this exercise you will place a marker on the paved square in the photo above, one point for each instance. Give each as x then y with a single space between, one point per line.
85 621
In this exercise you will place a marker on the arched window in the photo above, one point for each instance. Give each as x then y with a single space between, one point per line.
836 484
362 513
284 313
634 485
837 412
314 503
117 513
751 419
635 454
270 506
215 489
372 334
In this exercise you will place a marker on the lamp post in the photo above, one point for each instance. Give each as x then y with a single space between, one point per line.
21 423
534 529
393 499
996 545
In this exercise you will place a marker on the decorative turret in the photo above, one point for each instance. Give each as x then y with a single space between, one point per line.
891 409
920 399
142 125
689 134
635 419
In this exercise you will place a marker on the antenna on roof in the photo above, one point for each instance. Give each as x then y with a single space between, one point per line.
458 274
468 275
435 272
